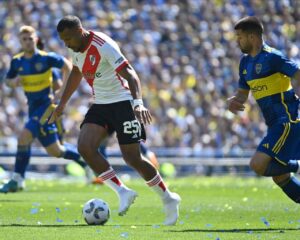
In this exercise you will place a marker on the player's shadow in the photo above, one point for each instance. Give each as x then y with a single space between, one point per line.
242 230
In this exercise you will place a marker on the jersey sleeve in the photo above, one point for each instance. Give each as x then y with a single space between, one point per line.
55 60
12 71
242 81
114 56
282 64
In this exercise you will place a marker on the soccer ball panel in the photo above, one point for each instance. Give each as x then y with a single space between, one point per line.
96 212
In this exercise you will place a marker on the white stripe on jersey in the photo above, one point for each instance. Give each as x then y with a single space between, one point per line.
99 64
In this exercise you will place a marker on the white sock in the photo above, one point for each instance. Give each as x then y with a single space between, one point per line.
158 185
110 179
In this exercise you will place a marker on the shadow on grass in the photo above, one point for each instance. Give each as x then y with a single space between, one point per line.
243 230
11 200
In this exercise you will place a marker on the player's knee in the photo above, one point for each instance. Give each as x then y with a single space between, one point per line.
23 140
257 167
55 152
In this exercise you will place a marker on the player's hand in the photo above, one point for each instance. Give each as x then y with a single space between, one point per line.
142 114
235 105
13 83
58 111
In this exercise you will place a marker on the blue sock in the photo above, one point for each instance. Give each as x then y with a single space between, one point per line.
291 188
275 168
143 148
72 154
102 150
22 159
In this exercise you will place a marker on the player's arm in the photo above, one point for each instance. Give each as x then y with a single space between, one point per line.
297 75
142 113
66 70
236 102
71 85
12 80
57 81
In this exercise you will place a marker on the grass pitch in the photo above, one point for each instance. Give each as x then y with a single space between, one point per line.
212 208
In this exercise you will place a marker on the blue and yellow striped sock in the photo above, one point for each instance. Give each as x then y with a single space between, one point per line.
72 154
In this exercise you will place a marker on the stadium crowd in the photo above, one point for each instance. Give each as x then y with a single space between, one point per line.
184 52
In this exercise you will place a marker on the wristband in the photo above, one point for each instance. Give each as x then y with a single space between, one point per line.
137 102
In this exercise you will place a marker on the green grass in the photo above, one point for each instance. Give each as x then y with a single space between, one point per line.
212 208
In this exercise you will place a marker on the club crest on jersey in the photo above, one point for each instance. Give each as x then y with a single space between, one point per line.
93 59
38 66
258 68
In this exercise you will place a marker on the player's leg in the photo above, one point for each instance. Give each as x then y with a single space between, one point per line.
21 163
129 133
273 155
91 135
149 155
50 140
265 165
290 185
132 156
272 158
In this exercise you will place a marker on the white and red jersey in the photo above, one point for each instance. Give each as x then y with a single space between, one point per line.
99 64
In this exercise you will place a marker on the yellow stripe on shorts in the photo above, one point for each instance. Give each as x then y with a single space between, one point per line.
282 139
47 114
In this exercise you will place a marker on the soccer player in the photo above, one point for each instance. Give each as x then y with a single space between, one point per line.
267 73
114 83
34 70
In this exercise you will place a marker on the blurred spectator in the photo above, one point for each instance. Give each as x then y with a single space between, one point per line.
185 54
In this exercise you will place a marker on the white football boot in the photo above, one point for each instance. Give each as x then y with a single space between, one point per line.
171 207
126 197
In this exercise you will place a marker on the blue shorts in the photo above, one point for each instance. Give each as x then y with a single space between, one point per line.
282 142
39 127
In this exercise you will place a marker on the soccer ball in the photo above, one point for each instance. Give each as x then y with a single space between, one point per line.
96 212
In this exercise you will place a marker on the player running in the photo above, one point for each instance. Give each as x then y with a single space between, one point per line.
34 68
267 73
114 83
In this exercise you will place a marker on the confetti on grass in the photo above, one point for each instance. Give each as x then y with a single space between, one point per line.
264 220
124 234
34 211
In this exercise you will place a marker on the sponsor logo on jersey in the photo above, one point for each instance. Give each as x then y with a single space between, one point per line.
259 88
90 75
244 72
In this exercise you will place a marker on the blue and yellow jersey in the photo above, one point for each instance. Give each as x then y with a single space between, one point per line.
36 76
268 76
